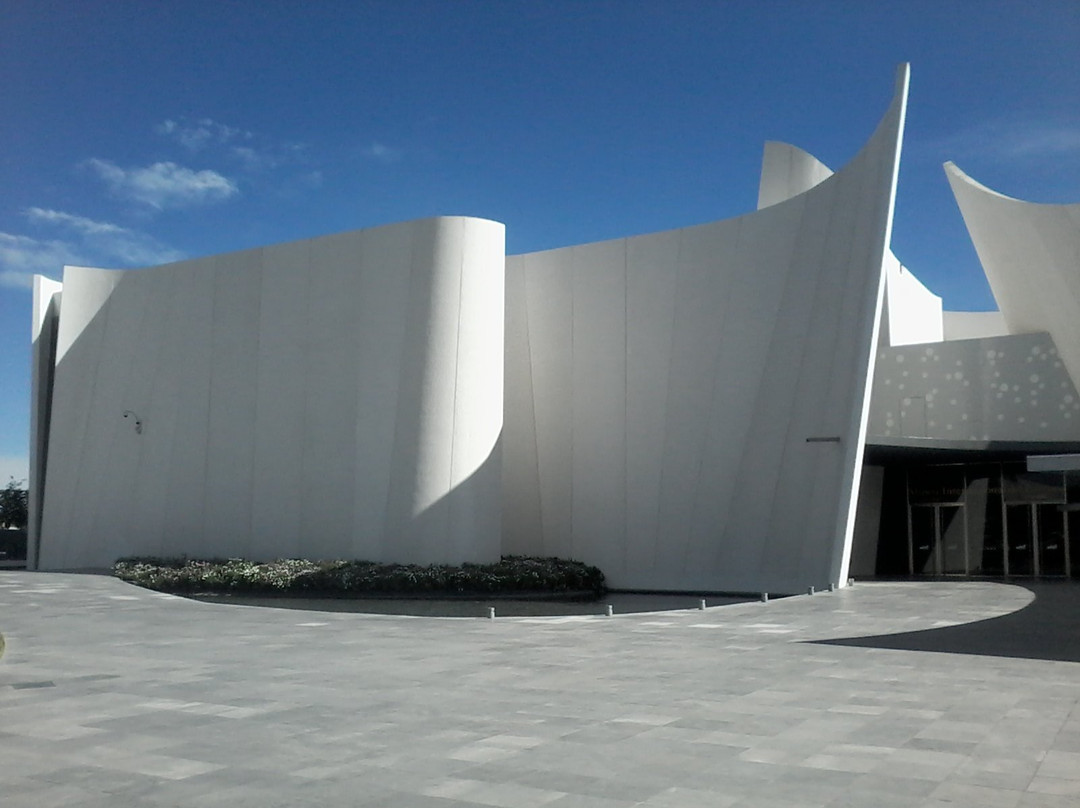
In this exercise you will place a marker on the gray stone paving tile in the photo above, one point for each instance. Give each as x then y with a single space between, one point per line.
158 702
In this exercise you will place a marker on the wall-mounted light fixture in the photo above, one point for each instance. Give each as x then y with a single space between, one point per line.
138 420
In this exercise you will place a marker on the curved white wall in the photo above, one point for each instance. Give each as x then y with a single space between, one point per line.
661 389
786 172
913 312
336 397
1030 253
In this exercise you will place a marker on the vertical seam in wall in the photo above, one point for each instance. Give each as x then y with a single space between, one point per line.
103 309
532 396
451 533
726 285
305 421
412 231
800 378
247 539
576 257
626 406
214 371
145 404
667 398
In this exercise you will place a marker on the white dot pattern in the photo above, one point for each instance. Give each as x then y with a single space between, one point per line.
999 388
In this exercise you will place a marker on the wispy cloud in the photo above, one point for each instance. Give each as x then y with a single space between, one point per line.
1016 141
79 224
111 241
81 241
382 153
164 185
199 134
22 257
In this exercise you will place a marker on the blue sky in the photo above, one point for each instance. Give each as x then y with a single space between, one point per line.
136 133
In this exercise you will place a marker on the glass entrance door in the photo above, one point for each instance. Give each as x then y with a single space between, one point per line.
1036 539
938 544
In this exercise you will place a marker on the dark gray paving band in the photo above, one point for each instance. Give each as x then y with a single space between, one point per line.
113 696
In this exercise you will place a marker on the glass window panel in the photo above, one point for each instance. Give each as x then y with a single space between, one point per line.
1051 523
923 540
1021 542
951 524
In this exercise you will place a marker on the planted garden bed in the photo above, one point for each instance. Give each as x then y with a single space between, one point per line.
512 575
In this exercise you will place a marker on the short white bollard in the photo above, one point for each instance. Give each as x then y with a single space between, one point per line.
491 613
810 590
832 587
702 604
610 610
851 582
764 597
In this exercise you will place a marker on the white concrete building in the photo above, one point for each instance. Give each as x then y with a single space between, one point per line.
689 410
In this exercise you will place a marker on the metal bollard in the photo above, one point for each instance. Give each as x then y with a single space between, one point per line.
764 597
610 610
491 613
702 604
810 590
832 587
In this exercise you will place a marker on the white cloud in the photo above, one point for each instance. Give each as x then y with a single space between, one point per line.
164 185
254 160
381 152
197 135
1013 141
23 256
88 242
112 242
78 223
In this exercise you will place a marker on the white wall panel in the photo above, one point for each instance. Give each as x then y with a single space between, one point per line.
1029 253
550 312
279 421
520 466
786 172
280 391
230 438
914 312
330 397
652 266
192 330
772 323
973 325
476 469
43 335
598 411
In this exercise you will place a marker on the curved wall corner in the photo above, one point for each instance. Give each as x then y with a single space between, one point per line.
1030 254
687 409
786 172
43 336
913 313
334 397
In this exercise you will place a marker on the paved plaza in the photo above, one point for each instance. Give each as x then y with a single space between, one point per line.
885 694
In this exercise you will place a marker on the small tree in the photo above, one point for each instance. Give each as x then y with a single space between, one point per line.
14 504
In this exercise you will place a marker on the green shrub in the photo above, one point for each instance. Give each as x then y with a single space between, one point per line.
512 574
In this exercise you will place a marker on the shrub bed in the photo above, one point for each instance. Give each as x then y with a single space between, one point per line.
511 575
